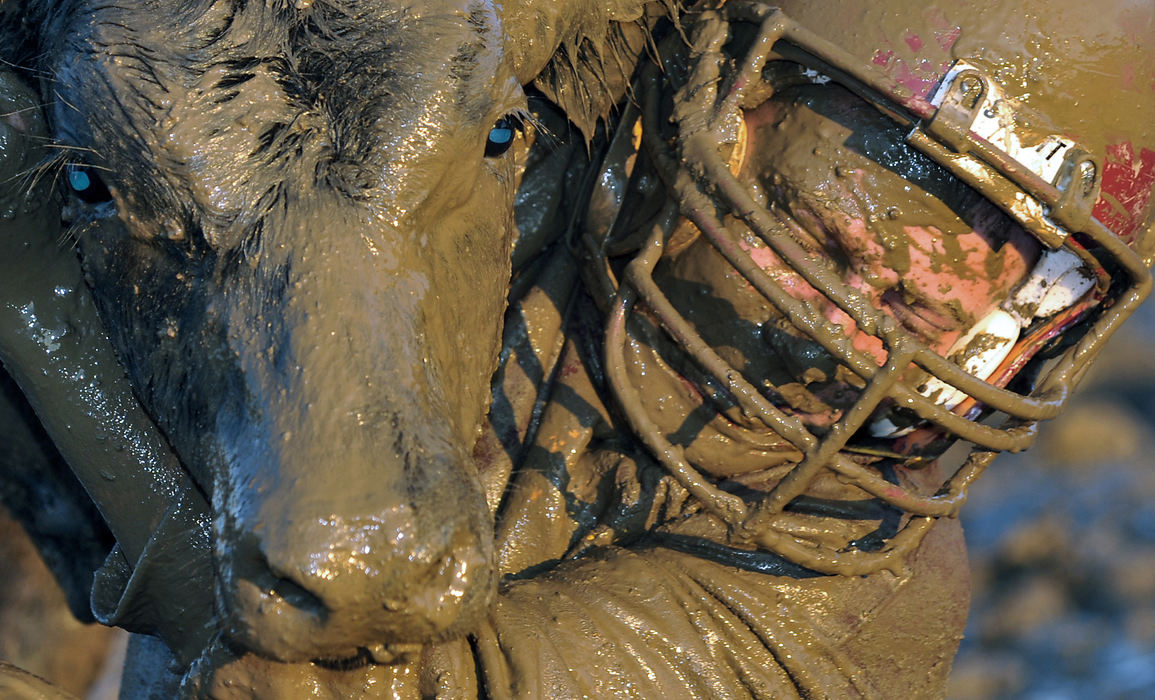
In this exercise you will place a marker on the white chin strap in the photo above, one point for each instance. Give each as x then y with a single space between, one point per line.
1058 280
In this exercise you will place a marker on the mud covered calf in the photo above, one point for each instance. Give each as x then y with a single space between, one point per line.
302 266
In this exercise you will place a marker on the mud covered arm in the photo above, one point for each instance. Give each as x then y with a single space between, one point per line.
54 346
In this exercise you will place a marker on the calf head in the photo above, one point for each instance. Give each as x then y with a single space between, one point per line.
297 221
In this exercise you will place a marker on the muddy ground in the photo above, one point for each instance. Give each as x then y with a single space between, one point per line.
1062 543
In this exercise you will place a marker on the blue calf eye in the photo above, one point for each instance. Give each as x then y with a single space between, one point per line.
79 180
87 185
500 137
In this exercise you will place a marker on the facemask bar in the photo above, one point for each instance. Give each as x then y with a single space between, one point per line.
704 184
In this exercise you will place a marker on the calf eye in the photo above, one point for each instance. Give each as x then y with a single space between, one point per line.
500 137
87 185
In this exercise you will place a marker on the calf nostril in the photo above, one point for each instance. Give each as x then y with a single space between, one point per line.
299 597
248 562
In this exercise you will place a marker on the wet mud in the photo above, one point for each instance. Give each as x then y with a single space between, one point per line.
1061 542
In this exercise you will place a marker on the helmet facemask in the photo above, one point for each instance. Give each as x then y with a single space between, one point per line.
861 391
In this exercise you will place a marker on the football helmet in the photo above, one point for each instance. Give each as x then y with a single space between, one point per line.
1047 113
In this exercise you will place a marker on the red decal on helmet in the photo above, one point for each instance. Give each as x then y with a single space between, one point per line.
1127 184
920 78
947 37
882 58
922 67
1128 77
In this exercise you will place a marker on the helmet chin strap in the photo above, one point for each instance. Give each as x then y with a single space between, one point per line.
1058 281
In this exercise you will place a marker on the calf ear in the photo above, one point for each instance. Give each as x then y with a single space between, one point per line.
581 53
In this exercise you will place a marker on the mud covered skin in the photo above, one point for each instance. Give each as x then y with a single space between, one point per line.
915 241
